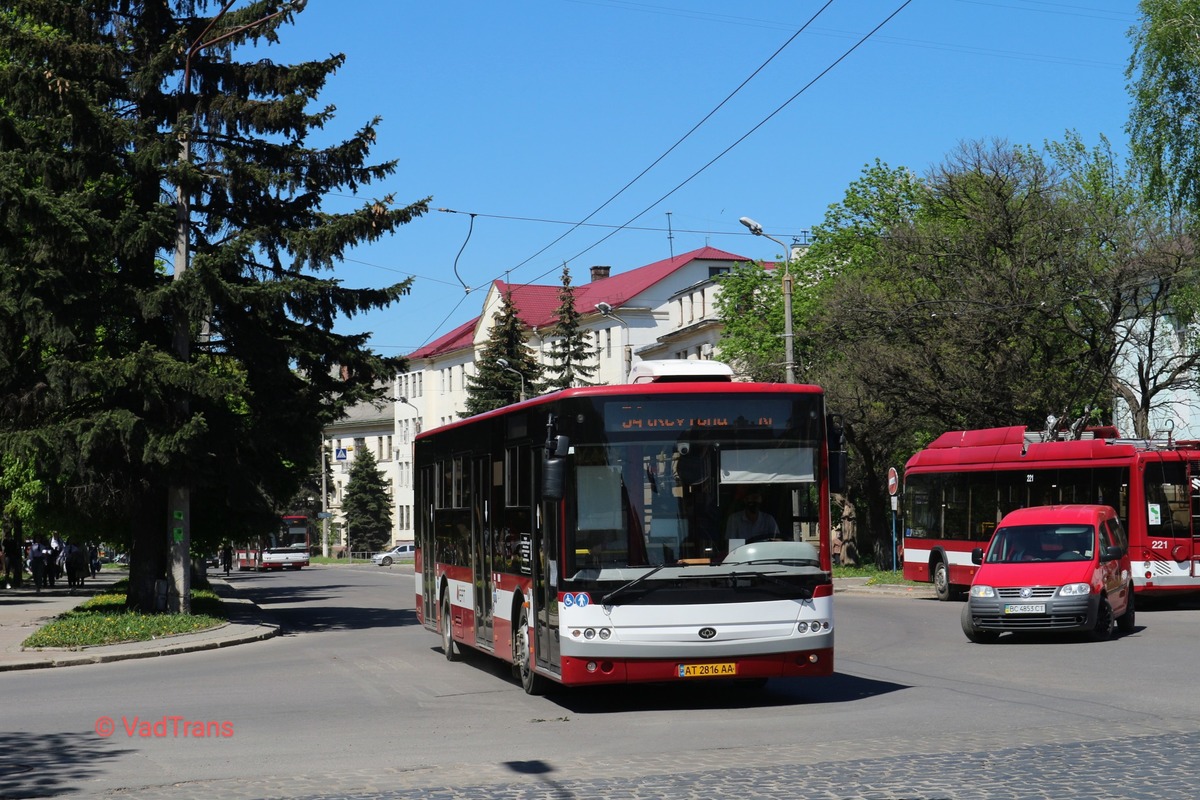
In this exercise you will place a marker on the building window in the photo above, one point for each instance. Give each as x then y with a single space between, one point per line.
715 271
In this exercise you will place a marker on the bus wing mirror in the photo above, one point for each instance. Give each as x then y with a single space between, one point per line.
554 466
836 442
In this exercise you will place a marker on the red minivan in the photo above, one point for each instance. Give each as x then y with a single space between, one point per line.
1052 568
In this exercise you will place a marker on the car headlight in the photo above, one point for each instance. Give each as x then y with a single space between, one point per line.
1075 589
982 591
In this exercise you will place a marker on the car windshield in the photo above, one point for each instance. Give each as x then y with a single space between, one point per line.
1024 543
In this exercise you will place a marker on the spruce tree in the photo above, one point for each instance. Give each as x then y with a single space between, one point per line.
572 361
367 504
95 392
494 384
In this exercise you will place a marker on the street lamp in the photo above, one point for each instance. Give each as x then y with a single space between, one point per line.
503 364
789 361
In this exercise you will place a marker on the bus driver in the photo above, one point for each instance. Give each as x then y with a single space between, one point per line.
751 524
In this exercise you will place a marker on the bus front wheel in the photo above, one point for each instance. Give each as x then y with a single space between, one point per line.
941 581
448 645
531 682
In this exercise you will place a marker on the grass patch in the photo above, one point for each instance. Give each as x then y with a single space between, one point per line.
875 576
103 619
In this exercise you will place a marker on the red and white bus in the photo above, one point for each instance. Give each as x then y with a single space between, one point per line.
582 536
287 548
957 488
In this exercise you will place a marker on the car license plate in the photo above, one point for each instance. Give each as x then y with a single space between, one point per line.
706 670
1025 608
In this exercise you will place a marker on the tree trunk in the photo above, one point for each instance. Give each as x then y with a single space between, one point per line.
148 556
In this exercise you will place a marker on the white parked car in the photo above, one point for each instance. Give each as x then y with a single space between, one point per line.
401 552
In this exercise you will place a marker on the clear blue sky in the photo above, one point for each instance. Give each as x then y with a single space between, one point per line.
532 114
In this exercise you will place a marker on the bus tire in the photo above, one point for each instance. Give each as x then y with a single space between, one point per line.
940 575
448 645
1103 628
1125 622
531 682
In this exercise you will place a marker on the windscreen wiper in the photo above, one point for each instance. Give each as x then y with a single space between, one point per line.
608 598
769 577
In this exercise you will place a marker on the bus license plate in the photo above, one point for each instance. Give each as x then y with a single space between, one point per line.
706 670
1025 608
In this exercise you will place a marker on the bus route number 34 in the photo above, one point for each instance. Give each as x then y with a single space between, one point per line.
706 670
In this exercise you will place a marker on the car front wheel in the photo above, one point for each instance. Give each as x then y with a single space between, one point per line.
972 633
386 562
1104 621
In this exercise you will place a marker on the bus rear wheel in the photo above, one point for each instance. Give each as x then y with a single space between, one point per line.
448 645
531 682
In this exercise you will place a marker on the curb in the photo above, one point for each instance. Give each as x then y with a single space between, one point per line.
229 634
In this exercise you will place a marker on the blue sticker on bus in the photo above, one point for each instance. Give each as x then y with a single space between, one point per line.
580 599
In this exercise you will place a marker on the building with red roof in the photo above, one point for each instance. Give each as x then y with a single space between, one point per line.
663 310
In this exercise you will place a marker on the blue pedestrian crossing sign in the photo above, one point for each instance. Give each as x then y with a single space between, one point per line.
340 454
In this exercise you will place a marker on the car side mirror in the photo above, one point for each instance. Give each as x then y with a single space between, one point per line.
977 555
1111 553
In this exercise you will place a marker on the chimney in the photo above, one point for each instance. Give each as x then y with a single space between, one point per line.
600 273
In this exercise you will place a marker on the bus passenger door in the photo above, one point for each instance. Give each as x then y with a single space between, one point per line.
545 576
483 558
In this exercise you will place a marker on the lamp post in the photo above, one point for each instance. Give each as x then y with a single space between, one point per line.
503 364
179 493
789 360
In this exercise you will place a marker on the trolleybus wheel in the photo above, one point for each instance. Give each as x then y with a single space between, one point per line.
531 682
448 644
941 581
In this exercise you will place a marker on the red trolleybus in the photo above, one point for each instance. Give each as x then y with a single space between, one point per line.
287 548
592 536
958 488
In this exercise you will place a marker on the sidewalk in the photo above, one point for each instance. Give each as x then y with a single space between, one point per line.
23 611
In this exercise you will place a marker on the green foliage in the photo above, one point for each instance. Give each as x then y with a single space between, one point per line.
367 504
105 619
751 306
494 384
1164 82
571 360
118 380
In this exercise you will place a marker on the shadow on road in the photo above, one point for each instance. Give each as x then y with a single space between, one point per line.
40 765
707 694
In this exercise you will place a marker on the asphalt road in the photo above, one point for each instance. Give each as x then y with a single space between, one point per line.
356 700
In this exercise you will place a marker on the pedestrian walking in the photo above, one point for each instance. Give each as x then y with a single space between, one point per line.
13 567
37 564
227 558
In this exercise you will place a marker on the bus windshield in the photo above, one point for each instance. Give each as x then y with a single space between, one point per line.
640 496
